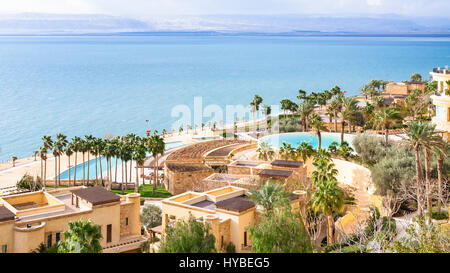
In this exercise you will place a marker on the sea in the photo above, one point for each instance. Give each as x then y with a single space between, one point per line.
119 84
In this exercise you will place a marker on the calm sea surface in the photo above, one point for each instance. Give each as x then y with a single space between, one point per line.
113 84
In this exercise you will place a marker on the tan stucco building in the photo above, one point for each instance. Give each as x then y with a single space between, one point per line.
402 88
29 219
227 210
441 99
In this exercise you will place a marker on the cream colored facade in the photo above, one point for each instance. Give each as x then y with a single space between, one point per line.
41 217
442 100
225 209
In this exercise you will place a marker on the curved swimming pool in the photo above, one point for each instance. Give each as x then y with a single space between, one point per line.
295 139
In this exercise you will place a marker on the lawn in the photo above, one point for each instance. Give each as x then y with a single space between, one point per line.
146 191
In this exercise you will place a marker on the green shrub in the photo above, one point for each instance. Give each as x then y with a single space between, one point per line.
369 147
442 216
151 216
29 183
229 248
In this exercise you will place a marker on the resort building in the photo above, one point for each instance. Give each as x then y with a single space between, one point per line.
402 89
441 99
227 210
29 219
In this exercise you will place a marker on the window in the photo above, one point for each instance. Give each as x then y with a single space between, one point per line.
245 238
49 240
58 237
109 233
4 248
221 241
126 221
28 225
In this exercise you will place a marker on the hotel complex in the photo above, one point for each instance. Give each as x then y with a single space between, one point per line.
227 210
441 99
29 219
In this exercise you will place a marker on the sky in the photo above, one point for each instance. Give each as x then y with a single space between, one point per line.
140 8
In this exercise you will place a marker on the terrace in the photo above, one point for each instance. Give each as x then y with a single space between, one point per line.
195 152
441 70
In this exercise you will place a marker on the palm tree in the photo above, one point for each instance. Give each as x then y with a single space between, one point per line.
286 105
61 143
441 153
88 147
76 141
14 158
304 110
301 95
415 77
365 90
265 151
83 148
254 104
155 146
419 135
316 123
327 199
139 156
35 153
304 151
336 107
55 153
286 151
269 196
384 118
69 152
82 237
43 155
349 105
47 145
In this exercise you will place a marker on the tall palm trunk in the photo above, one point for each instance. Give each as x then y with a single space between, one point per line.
101 170
136 187
56 172
96 170
121 184
45 172
88 168
131 169
69 170
335 121
84 172
419 180
319 138
342 131
116 170
75 171
427 153
330 238
440 164
155 173
59 170
349 127
126 175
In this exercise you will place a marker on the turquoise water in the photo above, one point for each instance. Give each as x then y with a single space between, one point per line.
112 84
296 138
170 145
91 163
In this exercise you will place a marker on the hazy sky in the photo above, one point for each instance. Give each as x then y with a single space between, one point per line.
132 8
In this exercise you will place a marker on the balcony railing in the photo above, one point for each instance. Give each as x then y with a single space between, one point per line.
441 70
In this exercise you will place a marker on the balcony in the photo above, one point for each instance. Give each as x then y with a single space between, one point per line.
441 70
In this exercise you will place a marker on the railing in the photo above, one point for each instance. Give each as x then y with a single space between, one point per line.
442 71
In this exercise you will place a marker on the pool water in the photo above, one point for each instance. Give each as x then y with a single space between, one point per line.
91 163
170 145
276 141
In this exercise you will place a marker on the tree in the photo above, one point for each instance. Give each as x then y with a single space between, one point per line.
156 146
280 231
269 196
384 118
304 151
139 154
415 77
14 158
254 104
286 105
76 141
286 151
35 154
69 153
301 95
423 237
370 148
440 155
190 236
305 109
316 122
420 134
61 143
151 216
328 199
82 237
265 151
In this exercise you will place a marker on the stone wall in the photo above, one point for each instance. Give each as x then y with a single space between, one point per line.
124 213
179 182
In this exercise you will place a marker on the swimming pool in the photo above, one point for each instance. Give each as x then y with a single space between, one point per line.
296 138
170 145
91 163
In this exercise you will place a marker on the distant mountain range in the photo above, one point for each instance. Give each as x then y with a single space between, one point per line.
389 24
